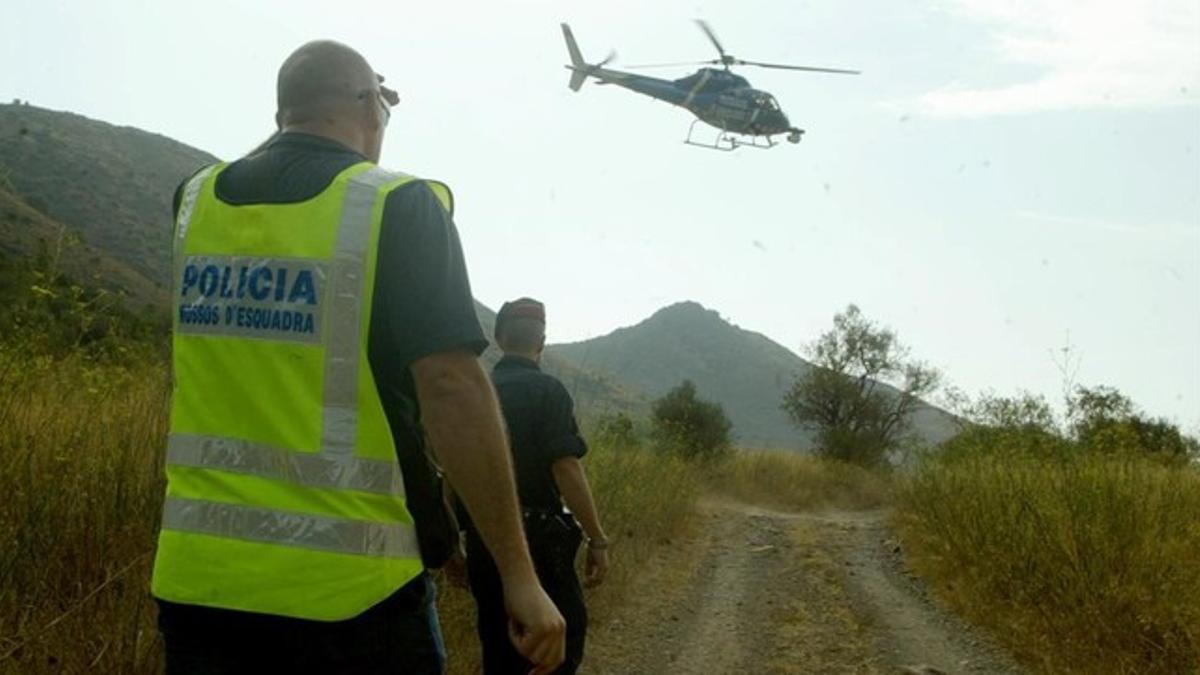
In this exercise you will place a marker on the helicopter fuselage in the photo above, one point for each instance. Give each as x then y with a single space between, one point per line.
718 97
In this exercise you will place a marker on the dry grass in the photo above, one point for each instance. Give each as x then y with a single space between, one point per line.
1084 564
1078 565
80 468
80 453
792 481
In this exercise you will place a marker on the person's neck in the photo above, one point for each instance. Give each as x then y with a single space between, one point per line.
536 357
347 137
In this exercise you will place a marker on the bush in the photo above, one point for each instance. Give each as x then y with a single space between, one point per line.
792 481
1075 540
856 417
615 430
1080 562
47 314
1020 425
1105 420
1099 420
682 422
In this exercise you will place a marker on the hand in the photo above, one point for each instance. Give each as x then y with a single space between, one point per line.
597 566
535 626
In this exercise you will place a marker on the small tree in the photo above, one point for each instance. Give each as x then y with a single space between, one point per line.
1024 424
616 430
1105 420
843 398
685 423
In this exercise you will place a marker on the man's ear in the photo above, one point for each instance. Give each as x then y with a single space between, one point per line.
278 120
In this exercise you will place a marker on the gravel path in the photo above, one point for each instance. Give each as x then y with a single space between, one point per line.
760 591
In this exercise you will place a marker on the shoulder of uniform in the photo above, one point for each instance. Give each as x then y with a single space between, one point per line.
387 178
189 188
554 384
406 186
201 173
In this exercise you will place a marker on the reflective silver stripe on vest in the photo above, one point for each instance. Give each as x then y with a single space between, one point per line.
309 469
285 528
183 219
339 427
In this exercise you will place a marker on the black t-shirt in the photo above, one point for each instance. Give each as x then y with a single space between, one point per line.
422 301
540 416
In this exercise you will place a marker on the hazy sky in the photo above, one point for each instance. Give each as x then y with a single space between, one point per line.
1004 177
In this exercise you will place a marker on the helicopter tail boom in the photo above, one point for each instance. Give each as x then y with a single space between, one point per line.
579 67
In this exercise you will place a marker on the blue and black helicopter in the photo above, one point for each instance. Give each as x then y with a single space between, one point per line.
745 116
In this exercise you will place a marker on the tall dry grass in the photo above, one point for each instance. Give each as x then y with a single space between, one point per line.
792 481
80 470
1078 564
80 454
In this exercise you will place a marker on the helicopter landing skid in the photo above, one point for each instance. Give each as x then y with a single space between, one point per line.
728 142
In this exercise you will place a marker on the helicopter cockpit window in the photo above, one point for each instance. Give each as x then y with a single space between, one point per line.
766 102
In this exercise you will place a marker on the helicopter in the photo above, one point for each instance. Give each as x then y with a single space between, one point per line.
745 116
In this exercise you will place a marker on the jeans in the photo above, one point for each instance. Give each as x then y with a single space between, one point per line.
398 635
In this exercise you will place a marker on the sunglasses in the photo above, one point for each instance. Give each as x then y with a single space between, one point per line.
385 96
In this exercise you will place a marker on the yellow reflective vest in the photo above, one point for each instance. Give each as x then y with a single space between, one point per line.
284 494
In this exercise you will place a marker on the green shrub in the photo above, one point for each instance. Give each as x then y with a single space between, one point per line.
1079 561
684 423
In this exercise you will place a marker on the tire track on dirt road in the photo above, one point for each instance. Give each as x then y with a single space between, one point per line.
759 591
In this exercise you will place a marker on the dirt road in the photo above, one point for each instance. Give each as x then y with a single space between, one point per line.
759 591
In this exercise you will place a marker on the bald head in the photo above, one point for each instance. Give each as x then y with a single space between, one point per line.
322 73
521 328
522 336
328 89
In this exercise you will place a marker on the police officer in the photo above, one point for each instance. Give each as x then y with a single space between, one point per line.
322 315
546 446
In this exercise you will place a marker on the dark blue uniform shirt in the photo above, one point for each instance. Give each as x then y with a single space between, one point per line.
542 429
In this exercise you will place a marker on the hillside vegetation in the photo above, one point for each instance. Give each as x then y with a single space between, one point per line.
111 185
746 372
27 234
1078 559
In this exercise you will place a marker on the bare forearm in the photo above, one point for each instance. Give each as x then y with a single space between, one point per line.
460 414
572 484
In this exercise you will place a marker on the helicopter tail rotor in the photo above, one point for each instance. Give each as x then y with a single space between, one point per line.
579 67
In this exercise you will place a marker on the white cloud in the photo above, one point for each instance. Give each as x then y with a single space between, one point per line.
1097 54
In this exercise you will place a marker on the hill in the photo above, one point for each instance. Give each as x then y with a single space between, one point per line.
26 232
110 185
745 372
107 189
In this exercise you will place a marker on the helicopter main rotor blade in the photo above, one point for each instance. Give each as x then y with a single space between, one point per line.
713 37
812 69
674 65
